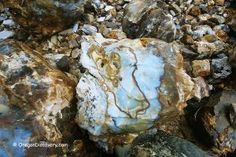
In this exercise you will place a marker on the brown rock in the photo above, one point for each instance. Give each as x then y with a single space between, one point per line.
195 11
217 118
201 88
39 96
201 68
45 16
187 39
220 2
222 35
231 18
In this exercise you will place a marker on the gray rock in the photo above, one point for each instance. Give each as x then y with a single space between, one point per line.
89 29
6 34
221 68
161 144
8 23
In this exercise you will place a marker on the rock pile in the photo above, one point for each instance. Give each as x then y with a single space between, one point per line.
112 77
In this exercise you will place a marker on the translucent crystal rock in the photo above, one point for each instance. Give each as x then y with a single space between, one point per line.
129 84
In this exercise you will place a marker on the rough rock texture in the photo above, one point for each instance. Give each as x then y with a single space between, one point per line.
221 68
232 19
35 98
216 119
201 68
148 19
129 84
160 144
46 16
232 56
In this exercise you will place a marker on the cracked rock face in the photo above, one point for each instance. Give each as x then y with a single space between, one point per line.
148 19
129 84
46 16
217 120
33 96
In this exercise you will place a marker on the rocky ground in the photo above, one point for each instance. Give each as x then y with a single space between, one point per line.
145 78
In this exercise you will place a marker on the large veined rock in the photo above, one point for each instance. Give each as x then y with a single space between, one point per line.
34 97
148 18
129 84
46 16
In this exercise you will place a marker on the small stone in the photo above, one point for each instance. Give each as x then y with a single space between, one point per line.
220 2
197 2
205 47
63 64
75 27
187 39
221 68
195 11
8 23
4 109
108 7
116 34
201 68
89 29
222 35
201 30
217 19
201 89
209 38
6 34
76 53
101 19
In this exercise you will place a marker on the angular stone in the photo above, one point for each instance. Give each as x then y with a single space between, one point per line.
221 68
6 34
37 97
217 119
148 19
129 84
195 11
162 144
201 68
46 16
